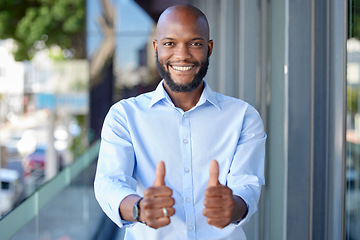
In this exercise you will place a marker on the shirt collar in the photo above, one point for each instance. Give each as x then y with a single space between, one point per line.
159 94
207 95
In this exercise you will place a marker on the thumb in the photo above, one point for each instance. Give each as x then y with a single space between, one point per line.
213 174
160 174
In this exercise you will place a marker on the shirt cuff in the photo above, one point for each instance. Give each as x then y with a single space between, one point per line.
251 204
110 203
241 221
114 203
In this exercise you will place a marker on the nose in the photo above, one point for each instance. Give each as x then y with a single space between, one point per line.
182 52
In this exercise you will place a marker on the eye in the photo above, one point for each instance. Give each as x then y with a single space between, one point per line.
168 44
196 44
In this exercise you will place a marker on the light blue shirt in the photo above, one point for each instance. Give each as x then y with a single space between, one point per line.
141 131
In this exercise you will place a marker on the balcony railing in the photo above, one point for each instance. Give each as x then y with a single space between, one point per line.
31 206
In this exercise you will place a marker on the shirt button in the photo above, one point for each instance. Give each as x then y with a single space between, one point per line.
187 170
190 228
185 115
186 141
187 200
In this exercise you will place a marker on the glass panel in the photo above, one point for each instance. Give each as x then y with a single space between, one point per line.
30 218
352 204
43 94
135 68
72 214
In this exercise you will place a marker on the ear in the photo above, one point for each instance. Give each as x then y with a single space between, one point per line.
155 45
210 47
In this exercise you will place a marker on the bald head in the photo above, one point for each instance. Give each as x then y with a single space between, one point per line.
183 15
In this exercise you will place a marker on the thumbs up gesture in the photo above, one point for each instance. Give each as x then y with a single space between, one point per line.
156 207
219 203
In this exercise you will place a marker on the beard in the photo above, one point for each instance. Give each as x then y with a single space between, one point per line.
197 80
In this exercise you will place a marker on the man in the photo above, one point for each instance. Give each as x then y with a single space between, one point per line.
212 146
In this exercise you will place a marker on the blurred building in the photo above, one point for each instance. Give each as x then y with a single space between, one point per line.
12 75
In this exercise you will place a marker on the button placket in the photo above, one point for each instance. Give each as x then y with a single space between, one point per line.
185 134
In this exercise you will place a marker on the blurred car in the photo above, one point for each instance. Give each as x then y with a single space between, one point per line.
11 189
352 203
35 161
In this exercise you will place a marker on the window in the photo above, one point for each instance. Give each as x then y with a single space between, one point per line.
5 185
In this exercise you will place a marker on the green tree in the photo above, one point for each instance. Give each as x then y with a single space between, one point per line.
352 99
34 24
353 17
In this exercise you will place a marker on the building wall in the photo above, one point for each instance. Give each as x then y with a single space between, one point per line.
287 58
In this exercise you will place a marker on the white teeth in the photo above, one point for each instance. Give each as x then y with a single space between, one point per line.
181 68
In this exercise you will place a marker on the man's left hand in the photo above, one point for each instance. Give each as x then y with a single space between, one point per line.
219 202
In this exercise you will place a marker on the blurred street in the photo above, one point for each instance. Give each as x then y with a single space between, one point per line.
24 148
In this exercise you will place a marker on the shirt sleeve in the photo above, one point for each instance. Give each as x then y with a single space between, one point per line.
246 175
114 178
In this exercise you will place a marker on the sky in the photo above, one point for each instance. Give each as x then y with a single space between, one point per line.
133 27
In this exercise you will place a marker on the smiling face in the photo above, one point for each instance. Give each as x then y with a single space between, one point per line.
182 48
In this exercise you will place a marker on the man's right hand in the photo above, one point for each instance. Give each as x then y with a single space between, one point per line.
157 197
